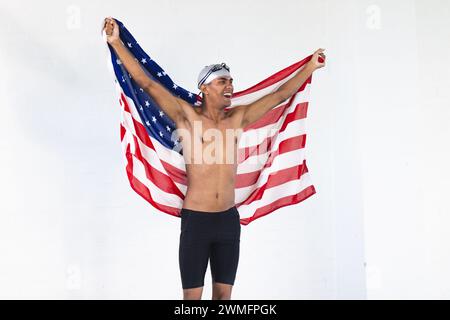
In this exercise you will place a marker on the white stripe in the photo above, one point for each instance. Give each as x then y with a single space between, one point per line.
133 108
128 140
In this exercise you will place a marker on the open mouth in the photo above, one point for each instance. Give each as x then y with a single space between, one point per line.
227 95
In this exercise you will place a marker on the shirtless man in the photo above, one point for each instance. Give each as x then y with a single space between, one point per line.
210 225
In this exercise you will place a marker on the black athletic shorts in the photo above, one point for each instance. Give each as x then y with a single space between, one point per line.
213 236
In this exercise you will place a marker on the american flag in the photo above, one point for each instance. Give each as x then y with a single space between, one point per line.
271 172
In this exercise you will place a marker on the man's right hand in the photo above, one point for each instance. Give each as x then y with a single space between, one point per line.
112 31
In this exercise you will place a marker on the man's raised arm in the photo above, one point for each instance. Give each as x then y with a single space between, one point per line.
254 111
171 105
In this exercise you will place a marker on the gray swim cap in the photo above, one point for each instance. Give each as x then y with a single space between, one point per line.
211 72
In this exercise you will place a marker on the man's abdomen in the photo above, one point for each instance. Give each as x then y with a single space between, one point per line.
210 187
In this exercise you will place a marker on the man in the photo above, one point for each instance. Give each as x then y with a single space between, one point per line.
210 225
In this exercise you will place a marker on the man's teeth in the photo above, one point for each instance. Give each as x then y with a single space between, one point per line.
228 95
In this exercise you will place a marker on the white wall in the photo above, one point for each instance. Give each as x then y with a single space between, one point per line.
71 227
403 79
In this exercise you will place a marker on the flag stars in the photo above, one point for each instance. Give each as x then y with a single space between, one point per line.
147 123
141 90
175 86
118 61
164 73
168 128
129 45
154 119
140 108
190 95
147 103
161 114
161 134
144 61
159 74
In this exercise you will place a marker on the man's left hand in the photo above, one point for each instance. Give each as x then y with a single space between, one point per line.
318 59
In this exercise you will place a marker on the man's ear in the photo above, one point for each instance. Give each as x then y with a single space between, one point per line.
204 89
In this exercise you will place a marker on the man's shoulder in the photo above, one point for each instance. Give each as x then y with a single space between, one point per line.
235 115
235 110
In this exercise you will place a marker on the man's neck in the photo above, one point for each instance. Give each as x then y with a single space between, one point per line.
216 113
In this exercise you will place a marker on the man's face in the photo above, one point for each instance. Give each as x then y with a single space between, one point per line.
220 90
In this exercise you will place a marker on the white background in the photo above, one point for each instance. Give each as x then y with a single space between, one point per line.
377 150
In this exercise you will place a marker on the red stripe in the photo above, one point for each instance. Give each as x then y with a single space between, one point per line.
142 190
122 132
141 132
281 202
123 101
176 174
